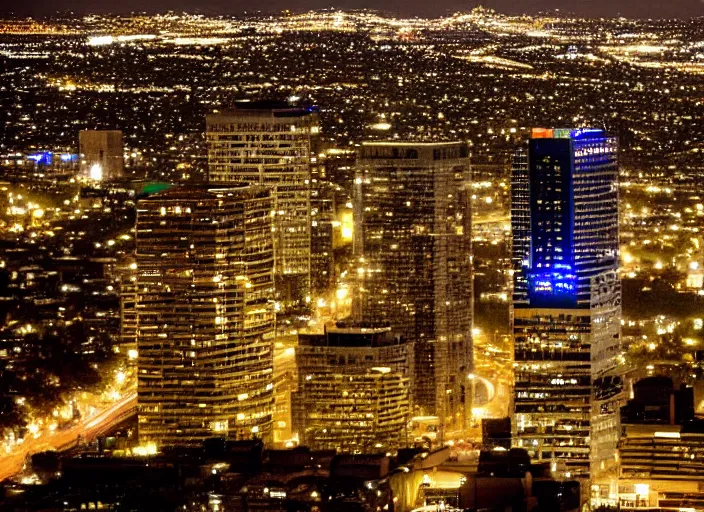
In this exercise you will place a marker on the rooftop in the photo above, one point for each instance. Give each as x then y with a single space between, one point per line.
567 133
268 108
208 191
411 144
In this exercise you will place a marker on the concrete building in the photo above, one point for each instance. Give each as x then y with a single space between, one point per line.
413 245
205 314
269 144
101 154
567 299
352 393
661 452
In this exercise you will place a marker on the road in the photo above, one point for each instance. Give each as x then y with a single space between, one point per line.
87 429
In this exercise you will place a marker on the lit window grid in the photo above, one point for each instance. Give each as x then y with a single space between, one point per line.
205 316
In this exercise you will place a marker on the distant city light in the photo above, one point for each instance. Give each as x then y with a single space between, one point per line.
100 40
347 226
341 293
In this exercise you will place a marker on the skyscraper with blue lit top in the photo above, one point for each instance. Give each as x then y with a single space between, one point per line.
565 214
567 298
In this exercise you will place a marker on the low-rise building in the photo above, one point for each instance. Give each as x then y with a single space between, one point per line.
661 451
352 393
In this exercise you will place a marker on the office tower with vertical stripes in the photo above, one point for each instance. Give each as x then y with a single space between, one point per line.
567 298
205 314
413 244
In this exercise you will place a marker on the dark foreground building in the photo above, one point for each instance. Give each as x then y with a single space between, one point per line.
240 476
661 451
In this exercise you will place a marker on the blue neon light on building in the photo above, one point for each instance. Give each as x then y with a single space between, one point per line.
564 216
42 158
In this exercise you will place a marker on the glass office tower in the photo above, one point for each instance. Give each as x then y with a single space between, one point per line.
567 298
413 243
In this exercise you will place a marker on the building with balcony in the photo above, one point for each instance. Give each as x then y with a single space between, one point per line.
205 314
352 393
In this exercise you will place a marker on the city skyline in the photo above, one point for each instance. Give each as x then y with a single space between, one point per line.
346 260
685 9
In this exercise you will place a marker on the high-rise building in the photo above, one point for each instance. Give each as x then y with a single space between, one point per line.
567 298
322 213
269 143
352 393
205 314
102 154
413 244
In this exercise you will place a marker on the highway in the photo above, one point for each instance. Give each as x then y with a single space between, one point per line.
87 429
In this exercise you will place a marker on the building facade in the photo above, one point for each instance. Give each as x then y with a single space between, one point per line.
567 298
661 468
661 452
270 144
413 244
205 314
102 154
127 272
322 212
352 394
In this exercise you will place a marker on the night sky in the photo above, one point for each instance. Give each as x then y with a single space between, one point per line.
592 8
